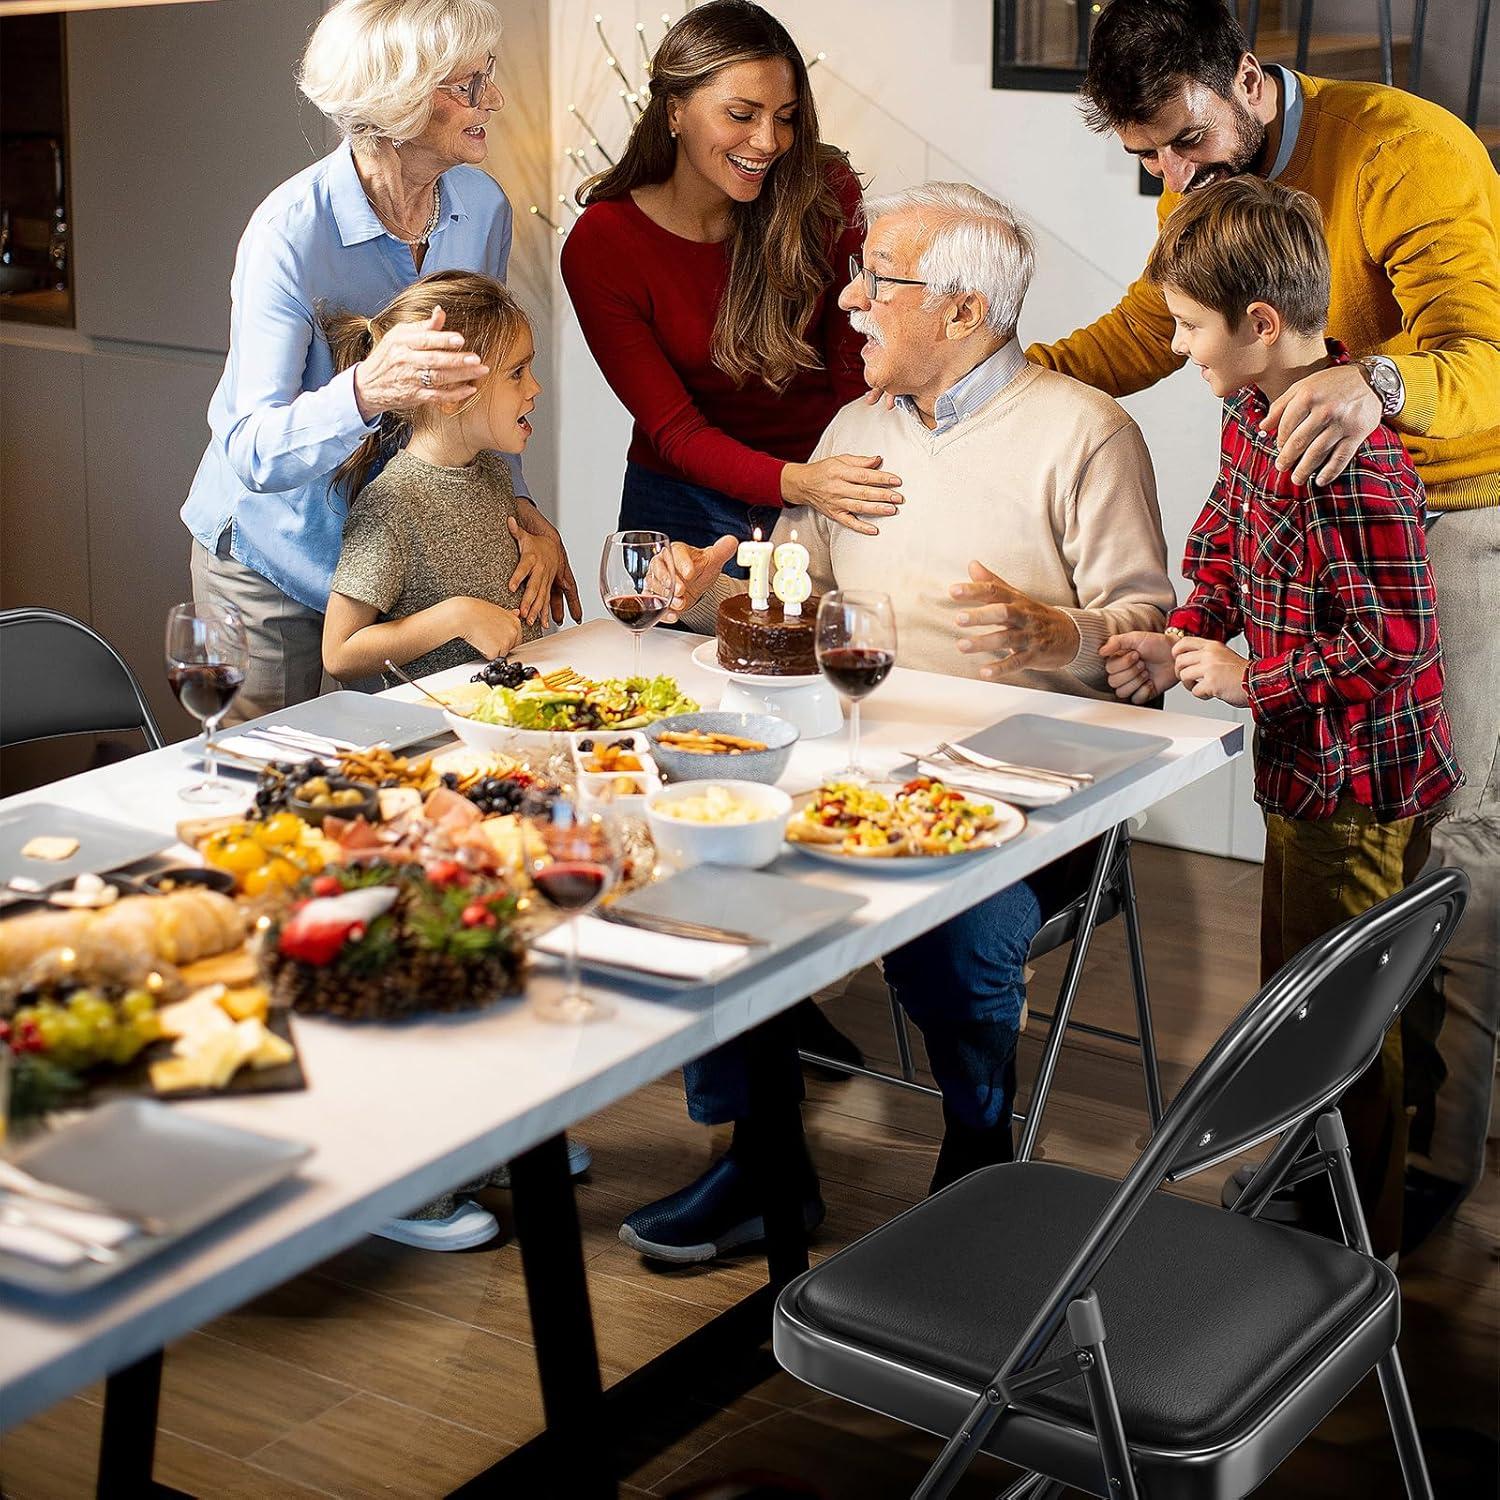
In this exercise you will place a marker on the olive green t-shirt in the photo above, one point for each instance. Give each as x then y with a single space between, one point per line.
418 534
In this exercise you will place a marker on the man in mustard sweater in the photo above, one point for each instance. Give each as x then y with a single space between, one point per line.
1411 209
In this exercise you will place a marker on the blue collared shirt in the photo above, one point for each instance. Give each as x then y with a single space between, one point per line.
282 420
1291 120
963 398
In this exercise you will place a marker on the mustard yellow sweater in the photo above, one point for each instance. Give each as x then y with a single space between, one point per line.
1411 206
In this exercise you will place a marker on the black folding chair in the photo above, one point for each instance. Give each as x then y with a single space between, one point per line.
58 676
1111 894
1230 1338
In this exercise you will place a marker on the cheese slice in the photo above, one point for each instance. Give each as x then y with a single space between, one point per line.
51 847
247 1002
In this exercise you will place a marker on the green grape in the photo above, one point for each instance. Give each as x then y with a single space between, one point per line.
51 1023
126 1044
138 1003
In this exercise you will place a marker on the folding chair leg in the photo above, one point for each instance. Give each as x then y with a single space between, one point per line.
1069 992
1144 1029
1334 1141
1086 1325
1024 1488
903 1038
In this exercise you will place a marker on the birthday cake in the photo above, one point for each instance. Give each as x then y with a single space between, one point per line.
767 642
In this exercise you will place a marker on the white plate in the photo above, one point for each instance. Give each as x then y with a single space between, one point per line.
706 657
1012 823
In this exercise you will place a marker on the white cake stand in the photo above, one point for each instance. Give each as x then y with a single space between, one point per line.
809 703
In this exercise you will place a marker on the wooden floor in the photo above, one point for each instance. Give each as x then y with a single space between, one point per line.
397 1373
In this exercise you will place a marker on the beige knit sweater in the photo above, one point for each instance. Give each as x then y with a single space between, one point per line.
1048 484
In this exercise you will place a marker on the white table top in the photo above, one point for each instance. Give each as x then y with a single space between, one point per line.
507 1081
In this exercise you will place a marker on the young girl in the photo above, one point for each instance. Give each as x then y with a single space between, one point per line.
431 542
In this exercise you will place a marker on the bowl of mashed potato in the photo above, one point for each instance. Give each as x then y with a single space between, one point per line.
739 823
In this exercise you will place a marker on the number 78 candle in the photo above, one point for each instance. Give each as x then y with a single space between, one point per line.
756 555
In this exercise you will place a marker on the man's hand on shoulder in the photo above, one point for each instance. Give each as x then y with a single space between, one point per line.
1024 634
686 573
1320 422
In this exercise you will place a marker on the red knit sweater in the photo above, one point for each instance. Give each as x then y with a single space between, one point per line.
647 300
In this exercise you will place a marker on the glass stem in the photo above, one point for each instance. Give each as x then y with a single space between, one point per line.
635 653
572 989
854 734
210 762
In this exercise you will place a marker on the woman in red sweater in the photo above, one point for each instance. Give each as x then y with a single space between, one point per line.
705 271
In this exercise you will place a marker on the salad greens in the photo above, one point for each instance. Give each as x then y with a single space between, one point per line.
616 703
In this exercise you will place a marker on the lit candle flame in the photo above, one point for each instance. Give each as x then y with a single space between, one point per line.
756 534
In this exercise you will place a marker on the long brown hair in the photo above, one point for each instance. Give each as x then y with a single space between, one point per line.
779 246
479 307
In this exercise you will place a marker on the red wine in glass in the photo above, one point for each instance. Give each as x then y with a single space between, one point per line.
636 583
205 691
207 656
571 884
855 641
856 671
637 611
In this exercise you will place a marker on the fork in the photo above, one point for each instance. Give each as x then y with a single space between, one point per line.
14 1213
989 763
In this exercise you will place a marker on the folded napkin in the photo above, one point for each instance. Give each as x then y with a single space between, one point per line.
622 947
248 748
51 1234
1011 786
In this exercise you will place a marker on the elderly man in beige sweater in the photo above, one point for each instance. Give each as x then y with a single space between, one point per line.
1027 534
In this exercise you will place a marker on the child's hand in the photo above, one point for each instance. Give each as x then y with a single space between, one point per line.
487 627
1139 665
1210 670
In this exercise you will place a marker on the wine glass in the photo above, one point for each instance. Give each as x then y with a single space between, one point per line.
636 582
856 649
575 856
207 658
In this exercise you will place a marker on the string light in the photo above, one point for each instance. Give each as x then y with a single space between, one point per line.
568 204
554 227
640 36
812 62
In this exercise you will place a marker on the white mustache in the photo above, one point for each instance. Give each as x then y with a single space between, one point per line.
860 323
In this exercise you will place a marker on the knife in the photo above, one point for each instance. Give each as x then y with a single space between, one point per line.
679 927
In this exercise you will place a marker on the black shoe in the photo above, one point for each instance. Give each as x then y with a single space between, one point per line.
710 1217
816 1033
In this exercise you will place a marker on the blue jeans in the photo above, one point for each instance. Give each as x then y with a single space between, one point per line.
689 513
962 983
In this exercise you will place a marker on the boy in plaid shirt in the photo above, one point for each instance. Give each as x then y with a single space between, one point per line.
1330 585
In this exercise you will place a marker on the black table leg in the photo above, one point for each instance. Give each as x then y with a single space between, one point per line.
562 1322
127 1444
775 1147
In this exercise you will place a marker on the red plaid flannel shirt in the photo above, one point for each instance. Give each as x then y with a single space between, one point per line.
1331 586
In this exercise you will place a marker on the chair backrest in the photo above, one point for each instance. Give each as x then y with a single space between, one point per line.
1313 1028
57 676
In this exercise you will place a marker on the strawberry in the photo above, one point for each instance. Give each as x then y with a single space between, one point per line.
316 934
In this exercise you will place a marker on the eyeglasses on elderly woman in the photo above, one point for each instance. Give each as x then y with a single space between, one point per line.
472 89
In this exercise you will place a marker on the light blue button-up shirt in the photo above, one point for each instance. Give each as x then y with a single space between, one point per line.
282 420
966 395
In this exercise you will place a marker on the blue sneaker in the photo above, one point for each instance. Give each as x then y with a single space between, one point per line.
713 1216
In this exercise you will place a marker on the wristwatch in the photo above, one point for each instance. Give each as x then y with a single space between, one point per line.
1385 380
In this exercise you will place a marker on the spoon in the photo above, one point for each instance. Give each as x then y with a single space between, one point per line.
412 682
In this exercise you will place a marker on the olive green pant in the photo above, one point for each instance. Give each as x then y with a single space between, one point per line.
1317 875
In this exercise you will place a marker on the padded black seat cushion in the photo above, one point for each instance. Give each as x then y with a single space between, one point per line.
1205 1312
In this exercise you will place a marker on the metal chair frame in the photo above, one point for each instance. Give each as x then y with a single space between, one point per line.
1186 1143
1112 874
146 722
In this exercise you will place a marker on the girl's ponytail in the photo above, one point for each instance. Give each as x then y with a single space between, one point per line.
351 337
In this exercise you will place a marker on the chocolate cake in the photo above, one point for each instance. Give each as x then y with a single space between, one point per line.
766 642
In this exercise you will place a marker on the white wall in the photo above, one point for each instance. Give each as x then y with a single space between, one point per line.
906 90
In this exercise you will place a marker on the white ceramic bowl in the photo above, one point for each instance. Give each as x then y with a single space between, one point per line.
746 846
505 740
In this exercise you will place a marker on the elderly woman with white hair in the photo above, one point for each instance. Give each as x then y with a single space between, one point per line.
410 85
